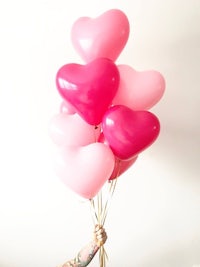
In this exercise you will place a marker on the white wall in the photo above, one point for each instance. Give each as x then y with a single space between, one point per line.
154 219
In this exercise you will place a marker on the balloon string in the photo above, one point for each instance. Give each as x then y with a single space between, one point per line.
103 257
93 210
108 202
103 211
99 200
111 192
100 210
97 217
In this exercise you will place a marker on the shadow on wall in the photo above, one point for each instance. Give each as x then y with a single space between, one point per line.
179 154
184 255
178 144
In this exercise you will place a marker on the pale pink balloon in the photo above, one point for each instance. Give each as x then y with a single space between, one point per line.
72 130
85 169
104 36
67 108
139 90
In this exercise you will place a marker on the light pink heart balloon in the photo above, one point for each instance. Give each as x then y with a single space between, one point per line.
139 90
104 36
72 130
66 107
85 169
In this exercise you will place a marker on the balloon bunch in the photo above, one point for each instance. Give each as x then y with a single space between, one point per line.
104 121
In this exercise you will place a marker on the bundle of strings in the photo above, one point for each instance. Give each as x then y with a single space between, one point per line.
99 208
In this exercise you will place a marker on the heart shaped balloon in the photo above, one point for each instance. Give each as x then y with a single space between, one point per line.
72 130
85 169
121 166
129 132
104 36
67 108
89 88
139 90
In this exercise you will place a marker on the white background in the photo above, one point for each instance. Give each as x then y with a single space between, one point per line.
154 218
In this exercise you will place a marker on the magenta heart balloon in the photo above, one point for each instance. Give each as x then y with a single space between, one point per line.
121 166
104 36
89 88
129 132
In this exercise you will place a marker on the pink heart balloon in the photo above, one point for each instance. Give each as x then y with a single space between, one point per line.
67 108
89 88
104 36
121 166
139 90
72 130
129 132
85 169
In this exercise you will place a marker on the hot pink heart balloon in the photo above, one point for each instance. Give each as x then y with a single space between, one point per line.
72 130
104 36
89 88
129 132
85 169
121 166
139 90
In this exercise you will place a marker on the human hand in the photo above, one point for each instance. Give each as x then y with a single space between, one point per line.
100 235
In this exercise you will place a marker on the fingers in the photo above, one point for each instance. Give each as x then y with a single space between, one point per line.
100 235
98 228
